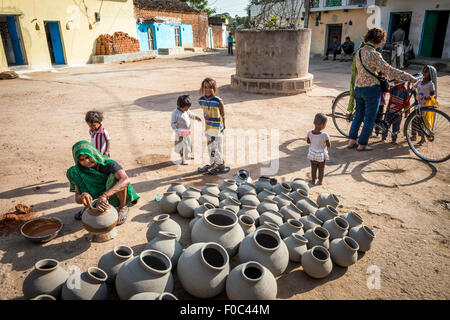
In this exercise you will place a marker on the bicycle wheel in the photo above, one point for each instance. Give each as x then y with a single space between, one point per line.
342 119
428 134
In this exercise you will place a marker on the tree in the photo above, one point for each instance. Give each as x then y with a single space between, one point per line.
201 5
278 14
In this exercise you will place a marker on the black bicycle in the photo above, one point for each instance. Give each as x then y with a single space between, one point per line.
428 123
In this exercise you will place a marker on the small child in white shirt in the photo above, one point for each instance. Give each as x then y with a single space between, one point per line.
181 124
318 150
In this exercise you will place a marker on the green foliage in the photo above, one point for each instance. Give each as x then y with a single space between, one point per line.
201 5
272 22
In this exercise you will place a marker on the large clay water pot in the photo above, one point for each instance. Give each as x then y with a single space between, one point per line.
353 219
209 197
47 278
112 261
298 195
266 194
148 272
101 225
291 212
282 200
251 281
307 206
266 247
327 199
211 188
187 206
326 213
271 226
178 187
282 187
166 242
271 216
192 192
225 193
297 246
163 222
89 285
310 221
202 208
250 211
197 217
318 236
267 205
291 226
169 202
244 188
220 226
203 269
344 251
263 183
228 184
250 199
316 262
364 236
301 184
337 227
247 224
234 204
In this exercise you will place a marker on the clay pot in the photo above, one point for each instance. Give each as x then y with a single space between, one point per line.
235 205
266 247
192 192
310 221
112 261
166 242
267 205
169 202
271 226
46 278
337 227
251 281
282 200
250 211
225 193
178 187
187 206
44 297
153 296
318 236
291 212
266 194
325 199
220 226
326 213
212 188
202 208
282 187
363 235
247 224
100 224
250 199
244 188
301 184
163 222
228 184
89 285
203 269
353 219
148 272
197 217
263 183
291 226
298 195
209 197
307 206
297 246
316 262
344 251
271 216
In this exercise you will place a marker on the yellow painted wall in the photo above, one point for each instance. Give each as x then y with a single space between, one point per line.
78 42
3 63
356 31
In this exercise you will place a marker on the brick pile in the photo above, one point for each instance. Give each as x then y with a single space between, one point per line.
119 42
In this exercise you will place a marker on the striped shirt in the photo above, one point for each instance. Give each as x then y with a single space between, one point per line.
211 112
99 138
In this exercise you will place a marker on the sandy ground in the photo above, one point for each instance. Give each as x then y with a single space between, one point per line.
403 199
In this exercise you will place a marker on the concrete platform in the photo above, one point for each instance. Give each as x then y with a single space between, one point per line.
171 51
124 57
194 49
273 86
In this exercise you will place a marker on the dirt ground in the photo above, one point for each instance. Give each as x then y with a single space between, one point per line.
404 200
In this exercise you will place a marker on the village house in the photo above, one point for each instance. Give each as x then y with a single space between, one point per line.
219 36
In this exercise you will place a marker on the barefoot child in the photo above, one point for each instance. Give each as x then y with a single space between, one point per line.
318 150
99 136
399 99
181 124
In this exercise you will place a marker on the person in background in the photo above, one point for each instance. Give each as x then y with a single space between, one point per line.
336 49
230 44
100 138
348 47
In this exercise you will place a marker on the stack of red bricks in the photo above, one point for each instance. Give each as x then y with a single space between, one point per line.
119 42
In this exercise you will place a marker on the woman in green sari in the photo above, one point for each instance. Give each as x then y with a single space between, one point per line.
96 176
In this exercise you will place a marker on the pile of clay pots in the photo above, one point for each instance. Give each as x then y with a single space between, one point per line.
264 225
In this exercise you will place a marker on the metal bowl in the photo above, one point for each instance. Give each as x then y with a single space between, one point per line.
42 229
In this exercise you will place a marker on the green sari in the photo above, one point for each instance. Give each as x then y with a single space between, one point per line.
92 181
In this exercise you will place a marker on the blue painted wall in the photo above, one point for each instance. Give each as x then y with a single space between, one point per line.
164 35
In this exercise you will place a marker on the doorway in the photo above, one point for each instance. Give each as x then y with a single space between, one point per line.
333 30
399 19
54 42
433 34
12 41
151 39
177 37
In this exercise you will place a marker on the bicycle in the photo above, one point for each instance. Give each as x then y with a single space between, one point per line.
424 121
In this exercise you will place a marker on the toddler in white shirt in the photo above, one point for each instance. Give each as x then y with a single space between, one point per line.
318 150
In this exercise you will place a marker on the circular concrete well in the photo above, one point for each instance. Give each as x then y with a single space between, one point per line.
272 61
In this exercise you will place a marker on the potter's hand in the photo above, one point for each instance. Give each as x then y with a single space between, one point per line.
102 204
86 199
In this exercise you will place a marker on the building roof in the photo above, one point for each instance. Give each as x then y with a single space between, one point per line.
165 5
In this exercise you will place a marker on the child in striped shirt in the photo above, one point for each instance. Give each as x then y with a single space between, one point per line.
99 136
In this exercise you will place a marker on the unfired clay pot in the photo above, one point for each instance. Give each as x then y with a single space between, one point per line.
337 227
247 224
266 194
326 213
101 225
282 187
166 242
291 212
203 269
316 262
187 206
220 226
363 235
202 208
271 226
344 251
297 246
250 199
209 197
271 216
266 247
228 184
153 296
353 219
178 187
44 297
251 211
192 192
298 195
163 222
298 183
246 187
325 199
225 193
310 221
89 285
169 202
318 236
307 206
148 272
291 226
263 183
211 188
112 261
197 217
282 200
251 281
47 278
234 204
267 205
